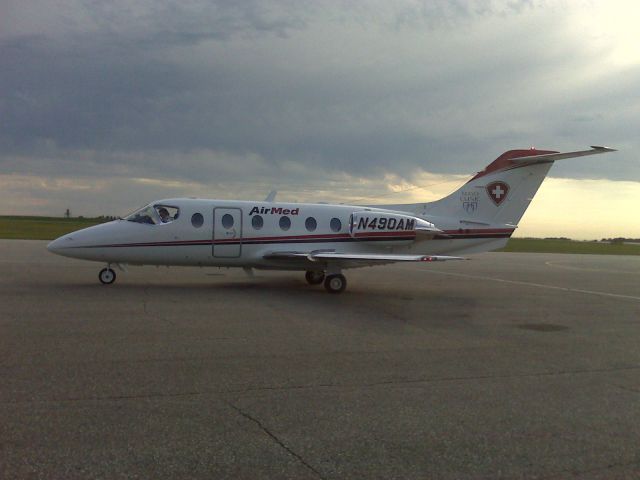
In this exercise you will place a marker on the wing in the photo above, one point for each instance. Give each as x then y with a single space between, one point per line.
349 260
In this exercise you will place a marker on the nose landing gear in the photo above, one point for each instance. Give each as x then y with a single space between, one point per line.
107 276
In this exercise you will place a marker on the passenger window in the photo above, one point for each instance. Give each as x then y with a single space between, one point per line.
335 224
311 224
197 220
227 220
257 222
285 223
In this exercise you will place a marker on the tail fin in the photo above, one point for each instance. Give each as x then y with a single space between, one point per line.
501 193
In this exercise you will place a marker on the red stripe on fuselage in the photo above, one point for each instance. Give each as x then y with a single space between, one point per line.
338 237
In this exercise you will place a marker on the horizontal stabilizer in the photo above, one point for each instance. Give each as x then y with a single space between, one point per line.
552 157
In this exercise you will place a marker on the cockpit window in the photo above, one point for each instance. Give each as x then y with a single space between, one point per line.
154 214
166 213
146 214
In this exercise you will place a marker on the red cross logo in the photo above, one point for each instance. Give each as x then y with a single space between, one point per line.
497 192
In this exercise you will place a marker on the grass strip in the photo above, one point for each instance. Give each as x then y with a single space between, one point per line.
540 245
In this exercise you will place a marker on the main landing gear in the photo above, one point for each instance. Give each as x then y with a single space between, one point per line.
333 283
107 276
314 277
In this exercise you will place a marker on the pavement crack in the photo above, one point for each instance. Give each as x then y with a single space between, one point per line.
627 389
108 398
275 439
145 292
283 388
498 376
581 473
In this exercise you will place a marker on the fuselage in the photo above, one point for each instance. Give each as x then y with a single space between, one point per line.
322 239
230 233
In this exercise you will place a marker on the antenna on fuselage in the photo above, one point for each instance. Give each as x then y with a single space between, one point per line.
272 196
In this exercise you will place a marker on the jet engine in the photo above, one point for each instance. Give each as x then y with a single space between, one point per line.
371 225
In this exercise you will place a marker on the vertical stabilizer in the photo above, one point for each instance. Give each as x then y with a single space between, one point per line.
501 193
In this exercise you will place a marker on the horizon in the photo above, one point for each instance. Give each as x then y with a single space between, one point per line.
566 197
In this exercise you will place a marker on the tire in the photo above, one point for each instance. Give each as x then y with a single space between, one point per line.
314 277
107 276
335 283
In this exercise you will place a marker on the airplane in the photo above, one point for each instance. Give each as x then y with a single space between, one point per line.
321 239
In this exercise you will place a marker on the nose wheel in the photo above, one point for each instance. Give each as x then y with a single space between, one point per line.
107 276
335 283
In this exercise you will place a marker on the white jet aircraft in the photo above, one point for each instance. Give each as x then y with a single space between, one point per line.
321 239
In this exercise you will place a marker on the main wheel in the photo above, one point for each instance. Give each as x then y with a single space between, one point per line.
107 276
335 283
314 277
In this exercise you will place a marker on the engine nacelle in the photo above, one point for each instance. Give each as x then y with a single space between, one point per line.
394 227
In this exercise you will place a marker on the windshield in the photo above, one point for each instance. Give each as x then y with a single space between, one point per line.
146 214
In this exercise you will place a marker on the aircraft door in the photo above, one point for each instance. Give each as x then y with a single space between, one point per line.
227 232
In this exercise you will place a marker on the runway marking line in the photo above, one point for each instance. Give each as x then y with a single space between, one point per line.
538 285
586 269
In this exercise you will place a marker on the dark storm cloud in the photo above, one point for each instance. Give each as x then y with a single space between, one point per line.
204 90
107 86
87 97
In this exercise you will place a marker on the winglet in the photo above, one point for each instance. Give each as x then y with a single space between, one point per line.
272 196
606 149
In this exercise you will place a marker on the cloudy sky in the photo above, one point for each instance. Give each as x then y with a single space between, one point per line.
105 106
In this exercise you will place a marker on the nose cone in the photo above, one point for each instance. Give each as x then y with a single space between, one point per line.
88 243
53 246
57 246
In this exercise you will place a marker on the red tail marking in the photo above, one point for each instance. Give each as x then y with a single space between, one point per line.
504 160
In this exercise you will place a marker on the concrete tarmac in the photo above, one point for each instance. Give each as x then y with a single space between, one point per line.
504 366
